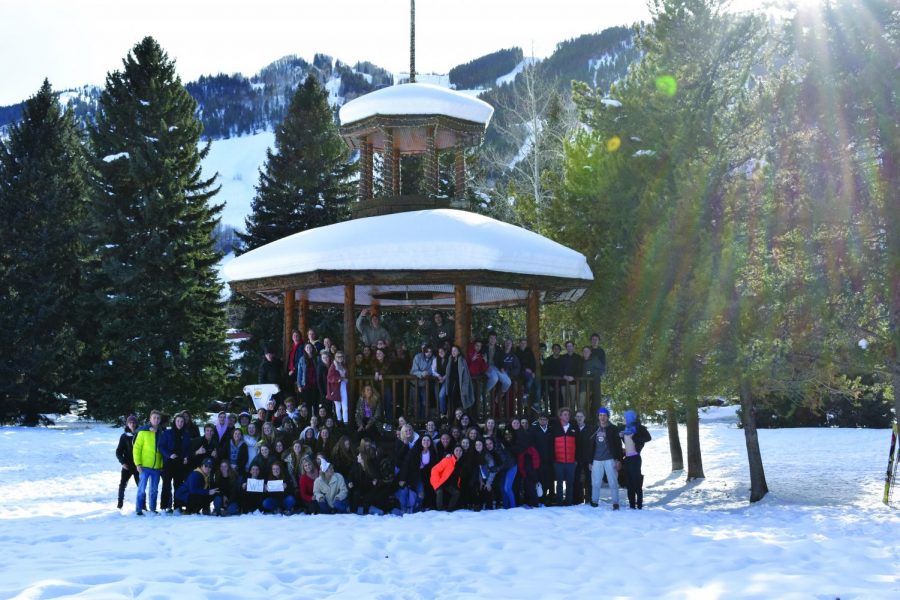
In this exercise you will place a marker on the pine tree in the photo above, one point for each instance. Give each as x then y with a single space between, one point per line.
43 195
305 183
160 320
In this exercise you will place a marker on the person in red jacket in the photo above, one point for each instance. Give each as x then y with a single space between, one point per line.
565 435
445 479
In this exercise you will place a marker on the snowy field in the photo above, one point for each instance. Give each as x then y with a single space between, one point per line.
821 533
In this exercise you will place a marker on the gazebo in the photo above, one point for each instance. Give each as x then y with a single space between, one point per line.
401 252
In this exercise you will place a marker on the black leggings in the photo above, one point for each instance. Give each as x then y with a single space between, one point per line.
635 481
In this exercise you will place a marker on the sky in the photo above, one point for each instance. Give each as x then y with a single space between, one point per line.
77 43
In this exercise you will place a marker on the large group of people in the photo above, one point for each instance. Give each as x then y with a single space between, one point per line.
311 451
318 372
289 461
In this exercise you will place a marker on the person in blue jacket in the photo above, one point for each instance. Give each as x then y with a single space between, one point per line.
195 494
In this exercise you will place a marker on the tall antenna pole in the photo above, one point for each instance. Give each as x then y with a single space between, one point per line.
412 41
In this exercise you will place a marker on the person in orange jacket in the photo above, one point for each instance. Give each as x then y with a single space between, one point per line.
445 479
564 436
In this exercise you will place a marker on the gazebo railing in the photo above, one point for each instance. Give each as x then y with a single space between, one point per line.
418 400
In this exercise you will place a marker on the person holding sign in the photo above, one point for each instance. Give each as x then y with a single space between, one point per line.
278 492
253 487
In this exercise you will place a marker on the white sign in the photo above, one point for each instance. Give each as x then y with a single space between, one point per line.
261 393
275 485
255 485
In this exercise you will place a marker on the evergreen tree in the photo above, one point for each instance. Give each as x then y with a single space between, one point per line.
305 183
43 195
159 317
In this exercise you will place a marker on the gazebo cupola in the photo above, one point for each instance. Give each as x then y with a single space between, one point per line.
411 119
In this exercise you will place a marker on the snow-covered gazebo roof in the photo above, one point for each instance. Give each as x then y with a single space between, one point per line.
413 259
408 108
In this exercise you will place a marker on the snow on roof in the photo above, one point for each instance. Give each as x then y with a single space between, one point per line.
428 240
417 99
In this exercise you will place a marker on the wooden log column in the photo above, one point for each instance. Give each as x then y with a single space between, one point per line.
432 167
365 175
460 174
390 175
289 306
349 346
398 175
303 322
533 326
462 318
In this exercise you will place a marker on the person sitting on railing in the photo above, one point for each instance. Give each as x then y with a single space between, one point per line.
528 374
493 355
510 365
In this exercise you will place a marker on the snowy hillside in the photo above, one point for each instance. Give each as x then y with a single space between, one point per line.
237 161
821 533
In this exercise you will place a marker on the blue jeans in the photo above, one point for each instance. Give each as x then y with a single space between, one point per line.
272 504
232 508
151 476
340 506
409 499
564 472
493 375
509 497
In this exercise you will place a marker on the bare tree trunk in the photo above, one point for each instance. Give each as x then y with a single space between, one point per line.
694 458
758 486
674 439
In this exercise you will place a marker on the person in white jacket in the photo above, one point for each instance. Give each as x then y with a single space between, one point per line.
330 489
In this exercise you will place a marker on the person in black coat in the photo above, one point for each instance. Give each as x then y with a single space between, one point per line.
175 448
583 458
125 456
205 446
542 440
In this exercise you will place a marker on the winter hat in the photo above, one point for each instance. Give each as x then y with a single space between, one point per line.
131 419
324 465
603 411
208 463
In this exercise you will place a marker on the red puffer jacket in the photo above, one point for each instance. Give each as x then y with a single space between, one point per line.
564 443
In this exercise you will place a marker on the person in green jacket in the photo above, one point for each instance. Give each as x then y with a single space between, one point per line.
148 461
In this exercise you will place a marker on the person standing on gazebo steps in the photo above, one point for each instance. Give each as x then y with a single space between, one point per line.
370 329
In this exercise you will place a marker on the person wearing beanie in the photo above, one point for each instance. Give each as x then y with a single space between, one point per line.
330 489
606 450
124 454
634 436
195 494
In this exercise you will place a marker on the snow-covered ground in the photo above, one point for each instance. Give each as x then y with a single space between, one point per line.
821 533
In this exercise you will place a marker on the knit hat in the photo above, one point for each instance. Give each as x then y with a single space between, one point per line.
603 411
131 419
324 465
208 463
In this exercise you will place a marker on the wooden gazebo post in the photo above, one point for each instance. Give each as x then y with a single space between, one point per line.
349 347
462 318
289 306
533 327
303 322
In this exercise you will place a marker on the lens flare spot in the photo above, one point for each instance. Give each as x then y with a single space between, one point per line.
613 143
666 85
